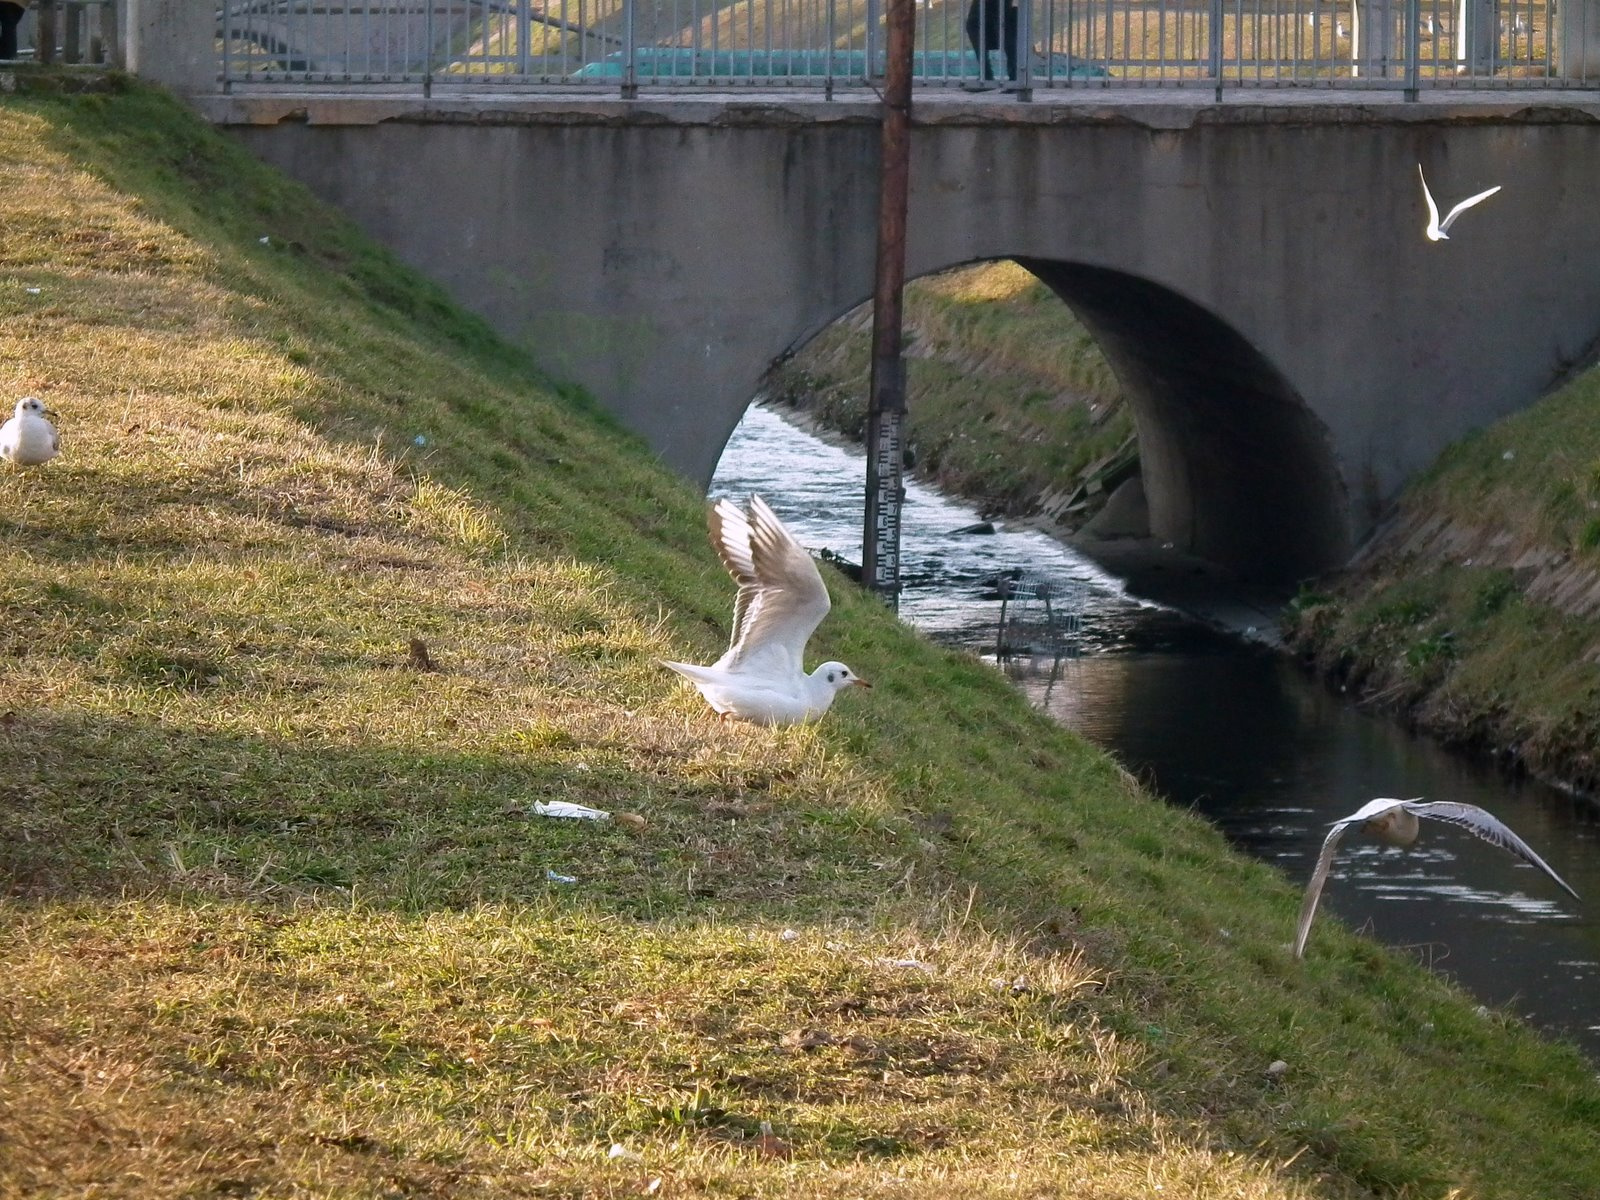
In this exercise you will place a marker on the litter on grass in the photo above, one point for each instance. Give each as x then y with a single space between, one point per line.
565 808
554 878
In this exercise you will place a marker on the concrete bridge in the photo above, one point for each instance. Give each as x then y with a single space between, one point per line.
1294 349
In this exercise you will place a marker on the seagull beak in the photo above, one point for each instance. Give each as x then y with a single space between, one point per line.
861 683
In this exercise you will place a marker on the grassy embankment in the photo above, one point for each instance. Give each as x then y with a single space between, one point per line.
1477 613
1009 399
277 920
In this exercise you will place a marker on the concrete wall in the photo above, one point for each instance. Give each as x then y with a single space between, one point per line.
1293 346
171 42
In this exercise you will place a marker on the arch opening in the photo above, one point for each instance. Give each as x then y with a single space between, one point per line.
1236 468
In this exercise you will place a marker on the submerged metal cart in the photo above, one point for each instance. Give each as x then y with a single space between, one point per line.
1039 616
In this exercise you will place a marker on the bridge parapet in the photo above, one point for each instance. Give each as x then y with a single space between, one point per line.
621 46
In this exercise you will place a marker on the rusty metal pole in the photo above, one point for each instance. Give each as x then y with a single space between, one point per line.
886 398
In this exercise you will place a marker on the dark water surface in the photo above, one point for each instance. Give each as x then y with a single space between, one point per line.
1243 737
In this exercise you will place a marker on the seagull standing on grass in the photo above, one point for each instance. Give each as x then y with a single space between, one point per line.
781 601
28 438
1439 231
1395 822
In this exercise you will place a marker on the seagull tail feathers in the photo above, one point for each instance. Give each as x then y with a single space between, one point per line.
691 672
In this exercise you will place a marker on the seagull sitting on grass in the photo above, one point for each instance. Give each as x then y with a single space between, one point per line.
1439 231
1395 822
28 438
781 601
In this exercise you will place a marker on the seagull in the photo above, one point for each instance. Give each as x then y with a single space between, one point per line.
28 438
1439 231
781 601
1395 822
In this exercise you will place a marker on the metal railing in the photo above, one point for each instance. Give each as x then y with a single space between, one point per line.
77 32
612 45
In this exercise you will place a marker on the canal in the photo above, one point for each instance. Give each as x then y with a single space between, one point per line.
1230 729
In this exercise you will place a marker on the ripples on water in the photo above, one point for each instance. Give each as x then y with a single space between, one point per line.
1242 737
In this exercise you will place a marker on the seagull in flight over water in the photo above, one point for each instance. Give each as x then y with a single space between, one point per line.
1439 231
1395 822
781 601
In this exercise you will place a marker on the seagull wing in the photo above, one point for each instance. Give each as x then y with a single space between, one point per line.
1433 209
1444 225
730 534
1490 828
1330 845
782 598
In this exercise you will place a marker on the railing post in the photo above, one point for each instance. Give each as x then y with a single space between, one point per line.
1215 47
871 40
111 32
1477 37
224 68
1576 37
630 68
1024 49
72 33
524 35
44 49
828 81
1372 38
1413 20
427 57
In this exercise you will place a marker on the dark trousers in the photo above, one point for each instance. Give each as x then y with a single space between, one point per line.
984 19
10 18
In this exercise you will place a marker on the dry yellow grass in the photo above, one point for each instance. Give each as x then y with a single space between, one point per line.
278 922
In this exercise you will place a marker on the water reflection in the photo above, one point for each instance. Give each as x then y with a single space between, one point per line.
1242 737
1272 758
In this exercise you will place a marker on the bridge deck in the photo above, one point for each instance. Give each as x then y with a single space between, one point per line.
1176 108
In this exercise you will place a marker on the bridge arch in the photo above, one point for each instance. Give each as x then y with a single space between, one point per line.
1257 273
1236 467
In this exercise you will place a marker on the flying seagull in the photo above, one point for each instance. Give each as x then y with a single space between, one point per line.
28 438
1439 231
781 602
1395 822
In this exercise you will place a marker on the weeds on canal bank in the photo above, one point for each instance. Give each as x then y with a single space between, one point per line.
1476 613
281 919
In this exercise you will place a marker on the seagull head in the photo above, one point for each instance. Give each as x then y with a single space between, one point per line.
30 406
838 676
1397 826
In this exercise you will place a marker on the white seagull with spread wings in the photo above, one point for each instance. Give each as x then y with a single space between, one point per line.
781 602
1395 822
1439 231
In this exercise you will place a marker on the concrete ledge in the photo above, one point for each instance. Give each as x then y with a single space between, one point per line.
1165 109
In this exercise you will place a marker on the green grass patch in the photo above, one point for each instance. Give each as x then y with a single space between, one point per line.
279 918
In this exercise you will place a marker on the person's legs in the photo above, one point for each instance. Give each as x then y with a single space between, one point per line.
983 31
10 18
1009 46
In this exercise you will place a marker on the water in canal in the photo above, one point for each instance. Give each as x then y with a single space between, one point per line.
1241 736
